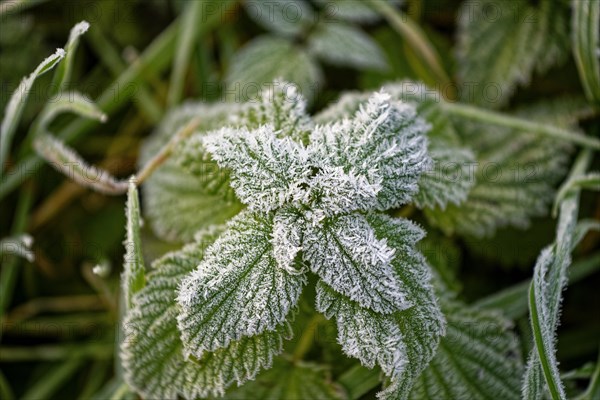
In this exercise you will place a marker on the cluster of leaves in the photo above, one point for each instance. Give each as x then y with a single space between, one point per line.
312 196
300 36
279 208
315 186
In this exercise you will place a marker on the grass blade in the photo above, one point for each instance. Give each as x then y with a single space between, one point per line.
16 104
187 35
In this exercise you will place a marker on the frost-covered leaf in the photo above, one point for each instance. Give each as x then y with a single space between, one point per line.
401 343
333 191
479 358
152 352
286 17
502 42
449 178
266 170
373 338
238 290
586 42
133 278
266 59
280 105
297 381
545 295
384 141
288 232
189 191
343 44
514 177
448 181
346 253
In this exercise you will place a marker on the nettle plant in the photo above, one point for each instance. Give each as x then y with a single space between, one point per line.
314 197
308 202
285 220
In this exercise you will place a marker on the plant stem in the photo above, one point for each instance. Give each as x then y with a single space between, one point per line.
496 118
359 380
166 151
10 264
414 36
307 338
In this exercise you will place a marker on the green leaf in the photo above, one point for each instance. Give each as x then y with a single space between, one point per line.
449 178
353 11
401 343
281 106
297 381
514 177
479 358
265 170
189 191
345 45
152 352
545 295
17 102
133 278
586 42
266 59
286 17
384 141
502 42
238 290
347 255
444 256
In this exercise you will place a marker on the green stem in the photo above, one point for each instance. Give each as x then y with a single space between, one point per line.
359 380
187 35
414 36
121 392
496 118
10 264
306 340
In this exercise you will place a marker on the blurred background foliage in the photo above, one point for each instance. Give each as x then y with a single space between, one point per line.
59 318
